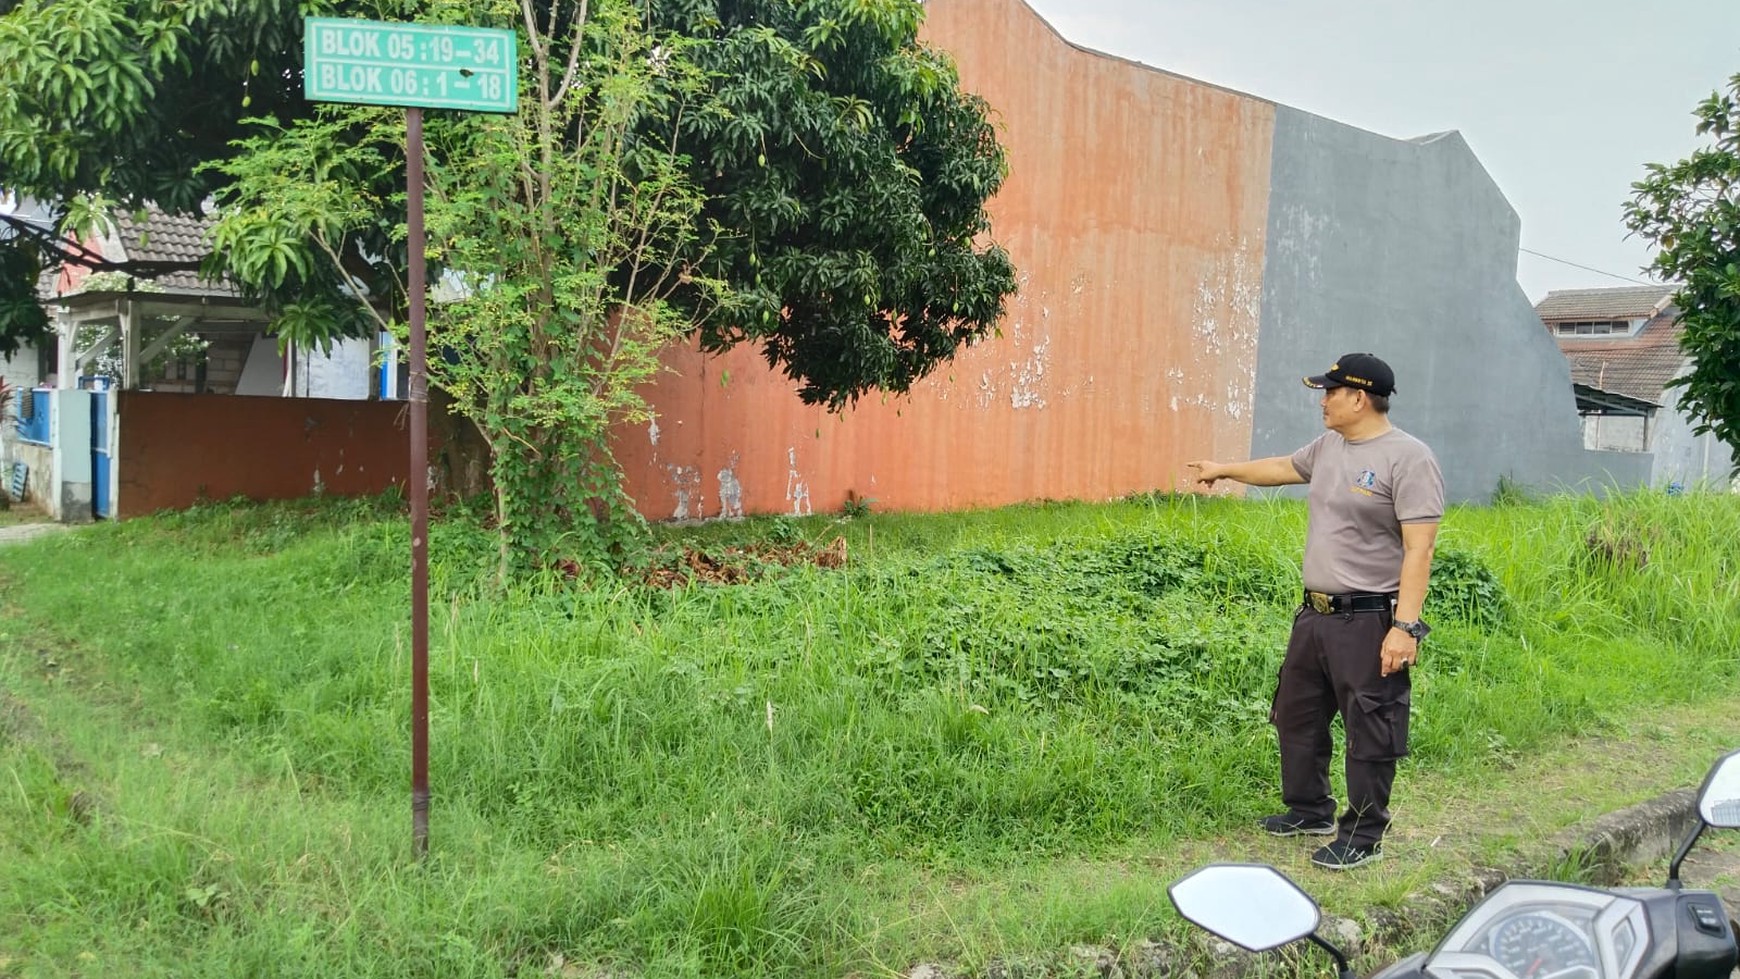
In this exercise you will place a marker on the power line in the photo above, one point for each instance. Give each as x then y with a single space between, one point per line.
1561 261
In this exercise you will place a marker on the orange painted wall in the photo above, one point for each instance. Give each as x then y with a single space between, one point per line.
177 449
1135 212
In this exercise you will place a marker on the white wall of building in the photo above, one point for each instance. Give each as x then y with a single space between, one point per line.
20 368
344 374
1687 459
263 373
1613 433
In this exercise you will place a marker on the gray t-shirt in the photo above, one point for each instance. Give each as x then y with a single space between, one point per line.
1361 494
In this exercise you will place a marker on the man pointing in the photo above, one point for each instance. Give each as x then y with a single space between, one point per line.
1376 499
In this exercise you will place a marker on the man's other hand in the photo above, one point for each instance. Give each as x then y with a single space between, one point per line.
1400 652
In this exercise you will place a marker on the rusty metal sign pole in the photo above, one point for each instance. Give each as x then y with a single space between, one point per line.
419 486
417 66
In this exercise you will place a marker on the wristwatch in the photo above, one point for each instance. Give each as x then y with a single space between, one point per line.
1416 629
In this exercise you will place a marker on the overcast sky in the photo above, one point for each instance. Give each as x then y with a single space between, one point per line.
1563 100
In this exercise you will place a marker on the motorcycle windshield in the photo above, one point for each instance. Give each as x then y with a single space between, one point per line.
1535 930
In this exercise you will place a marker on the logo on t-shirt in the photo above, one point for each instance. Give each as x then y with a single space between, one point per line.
1365 482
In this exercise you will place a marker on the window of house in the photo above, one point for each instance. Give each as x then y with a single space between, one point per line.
1595 328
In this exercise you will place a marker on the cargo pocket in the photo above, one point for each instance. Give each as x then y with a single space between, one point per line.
1380 730
1281 671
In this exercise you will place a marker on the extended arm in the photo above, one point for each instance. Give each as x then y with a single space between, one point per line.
1273 471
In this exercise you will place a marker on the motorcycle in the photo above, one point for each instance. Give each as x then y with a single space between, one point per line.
1523 929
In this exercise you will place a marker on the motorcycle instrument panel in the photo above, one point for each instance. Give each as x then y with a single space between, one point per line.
1533 930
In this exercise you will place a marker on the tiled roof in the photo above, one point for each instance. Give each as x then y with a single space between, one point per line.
1639 366
162 237
1625 303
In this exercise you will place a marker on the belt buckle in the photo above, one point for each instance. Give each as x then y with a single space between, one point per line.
1321 602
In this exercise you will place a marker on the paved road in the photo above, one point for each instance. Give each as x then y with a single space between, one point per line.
25 531
1715 864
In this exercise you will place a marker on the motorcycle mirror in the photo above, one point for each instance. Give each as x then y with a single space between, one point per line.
1719 799
1253 906
1718 806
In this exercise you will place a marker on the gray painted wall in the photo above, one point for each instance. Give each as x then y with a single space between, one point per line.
1407 249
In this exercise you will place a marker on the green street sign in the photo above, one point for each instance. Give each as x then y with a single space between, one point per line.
430 66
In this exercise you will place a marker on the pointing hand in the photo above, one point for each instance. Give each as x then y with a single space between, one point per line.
1207 472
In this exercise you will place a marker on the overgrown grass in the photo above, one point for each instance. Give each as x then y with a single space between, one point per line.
813 774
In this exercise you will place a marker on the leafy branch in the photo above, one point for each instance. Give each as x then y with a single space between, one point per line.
1690 210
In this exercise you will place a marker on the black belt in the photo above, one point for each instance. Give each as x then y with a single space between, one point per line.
1362 601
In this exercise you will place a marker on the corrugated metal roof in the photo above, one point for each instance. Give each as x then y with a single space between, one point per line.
1625 303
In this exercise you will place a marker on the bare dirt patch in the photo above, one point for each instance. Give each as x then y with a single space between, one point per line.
673 566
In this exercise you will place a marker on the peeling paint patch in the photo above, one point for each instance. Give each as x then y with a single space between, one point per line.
1224 322
797 492
686 484
1015 366
730 491
987 390
1029 378
1237 399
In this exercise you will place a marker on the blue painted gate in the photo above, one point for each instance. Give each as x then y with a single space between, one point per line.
102 462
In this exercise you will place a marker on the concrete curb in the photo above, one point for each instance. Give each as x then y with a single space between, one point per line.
1641 834
1605 852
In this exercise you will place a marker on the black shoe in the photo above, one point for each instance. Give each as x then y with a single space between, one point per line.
1287 824
1341 855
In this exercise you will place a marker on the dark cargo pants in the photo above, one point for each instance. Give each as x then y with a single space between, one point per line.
1332 665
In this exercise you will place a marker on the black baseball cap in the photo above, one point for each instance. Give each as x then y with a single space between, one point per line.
1363 371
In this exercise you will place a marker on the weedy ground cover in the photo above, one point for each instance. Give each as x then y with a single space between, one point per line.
983 736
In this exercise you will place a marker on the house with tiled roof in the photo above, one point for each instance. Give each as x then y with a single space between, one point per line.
1623 346
161 327
194 335
153 235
